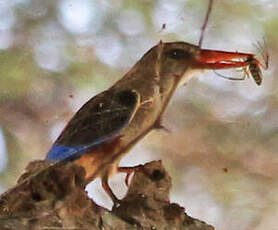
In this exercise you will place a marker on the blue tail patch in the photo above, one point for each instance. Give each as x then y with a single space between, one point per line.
60 152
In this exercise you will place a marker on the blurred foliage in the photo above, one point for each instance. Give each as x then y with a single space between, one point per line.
221 152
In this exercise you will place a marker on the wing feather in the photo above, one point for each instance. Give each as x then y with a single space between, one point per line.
99 120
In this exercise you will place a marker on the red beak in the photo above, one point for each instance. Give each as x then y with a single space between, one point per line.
216 59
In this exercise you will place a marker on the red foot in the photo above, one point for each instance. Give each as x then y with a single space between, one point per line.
128 171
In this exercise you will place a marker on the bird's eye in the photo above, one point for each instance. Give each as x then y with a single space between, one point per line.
177 54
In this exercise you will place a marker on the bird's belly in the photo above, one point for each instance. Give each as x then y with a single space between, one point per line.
99 161
102 160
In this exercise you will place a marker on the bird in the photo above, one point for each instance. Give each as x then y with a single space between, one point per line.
106 127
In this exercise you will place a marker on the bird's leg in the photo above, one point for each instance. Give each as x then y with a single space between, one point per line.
108 190
128 171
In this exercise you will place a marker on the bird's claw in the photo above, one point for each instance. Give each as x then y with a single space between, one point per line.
128 171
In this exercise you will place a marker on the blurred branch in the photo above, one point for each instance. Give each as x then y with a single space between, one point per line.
53 197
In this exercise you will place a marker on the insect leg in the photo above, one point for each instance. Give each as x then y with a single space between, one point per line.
229 78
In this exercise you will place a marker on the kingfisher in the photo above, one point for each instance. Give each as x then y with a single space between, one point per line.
106 127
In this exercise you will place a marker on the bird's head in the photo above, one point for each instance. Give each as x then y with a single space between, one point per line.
179 61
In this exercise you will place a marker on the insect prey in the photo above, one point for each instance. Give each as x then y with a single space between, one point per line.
253 65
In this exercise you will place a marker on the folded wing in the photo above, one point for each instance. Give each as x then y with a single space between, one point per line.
98 121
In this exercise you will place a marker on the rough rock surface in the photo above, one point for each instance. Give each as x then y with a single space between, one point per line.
54 197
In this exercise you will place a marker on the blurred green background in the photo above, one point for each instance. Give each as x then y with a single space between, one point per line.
222 148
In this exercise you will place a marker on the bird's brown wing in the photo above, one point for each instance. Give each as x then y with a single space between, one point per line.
98 121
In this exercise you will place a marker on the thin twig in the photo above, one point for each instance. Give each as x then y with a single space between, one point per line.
205 23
